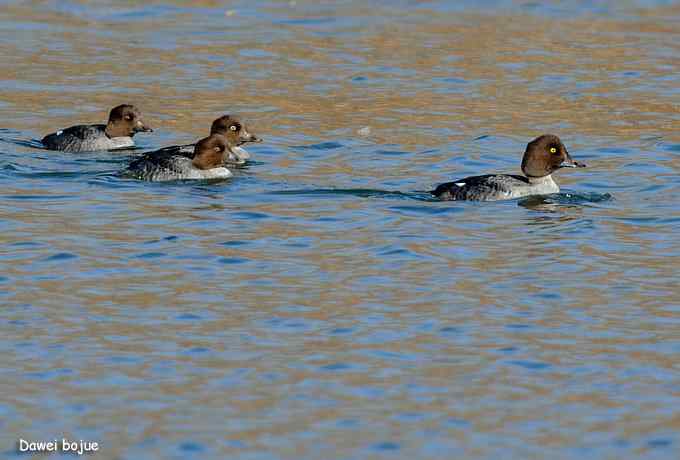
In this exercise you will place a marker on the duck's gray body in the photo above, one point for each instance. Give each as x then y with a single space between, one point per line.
493 187
172 163
85 138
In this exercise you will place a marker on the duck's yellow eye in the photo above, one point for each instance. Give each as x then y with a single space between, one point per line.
553 150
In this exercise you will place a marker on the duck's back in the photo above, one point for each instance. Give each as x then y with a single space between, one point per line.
490 187
186 150
84 138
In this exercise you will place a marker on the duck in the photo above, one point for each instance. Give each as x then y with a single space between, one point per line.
124 122
205 162
232 128
542 157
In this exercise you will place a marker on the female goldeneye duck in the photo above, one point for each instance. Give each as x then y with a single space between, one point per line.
124 122
206 162
236 132
543 156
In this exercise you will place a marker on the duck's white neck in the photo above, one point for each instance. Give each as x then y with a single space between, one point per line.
544 184
541 180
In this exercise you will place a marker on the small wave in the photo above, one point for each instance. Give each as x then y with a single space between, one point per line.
27 197
320 146
30 143
566 198
563 200
360 192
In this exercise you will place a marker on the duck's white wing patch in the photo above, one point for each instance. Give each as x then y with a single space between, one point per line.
460 184
60 132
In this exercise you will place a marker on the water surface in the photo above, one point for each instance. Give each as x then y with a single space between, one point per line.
320 304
